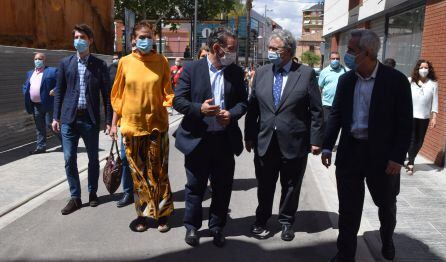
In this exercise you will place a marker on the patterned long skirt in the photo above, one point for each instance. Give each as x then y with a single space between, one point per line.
148 158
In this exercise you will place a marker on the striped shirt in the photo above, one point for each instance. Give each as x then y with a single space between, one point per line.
81 68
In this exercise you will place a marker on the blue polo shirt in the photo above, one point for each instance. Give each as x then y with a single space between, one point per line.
328 81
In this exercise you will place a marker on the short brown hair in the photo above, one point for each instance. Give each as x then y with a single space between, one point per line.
83 28
142 24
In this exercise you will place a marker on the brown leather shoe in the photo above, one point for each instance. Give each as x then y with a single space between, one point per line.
72 205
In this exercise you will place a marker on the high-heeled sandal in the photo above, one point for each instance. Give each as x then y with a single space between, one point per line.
409 170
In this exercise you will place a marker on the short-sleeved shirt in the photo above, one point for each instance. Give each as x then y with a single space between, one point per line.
328 81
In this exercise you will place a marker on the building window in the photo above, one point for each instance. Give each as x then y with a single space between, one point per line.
312 48
404 38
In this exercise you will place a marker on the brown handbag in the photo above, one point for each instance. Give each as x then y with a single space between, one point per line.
112 170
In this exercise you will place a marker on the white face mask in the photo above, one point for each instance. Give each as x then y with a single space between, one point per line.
228 58
423 72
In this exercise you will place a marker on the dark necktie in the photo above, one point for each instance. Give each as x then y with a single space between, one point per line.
277 88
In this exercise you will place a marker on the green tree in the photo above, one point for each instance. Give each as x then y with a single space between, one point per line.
310 58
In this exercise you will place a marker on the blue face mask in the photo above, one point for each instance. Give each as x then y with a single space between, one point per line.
38 63
81 45
349 61
274 57
144 45
334 64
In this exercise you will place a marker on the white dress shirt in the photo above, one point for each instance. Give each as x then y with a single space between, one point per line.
218 93
424 98
361 104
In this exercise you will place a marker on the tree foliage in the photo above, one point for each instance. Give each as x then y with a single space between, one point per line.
173 9
310 58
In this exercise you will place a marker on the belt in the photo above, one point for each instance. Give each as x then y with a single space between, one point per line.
81 112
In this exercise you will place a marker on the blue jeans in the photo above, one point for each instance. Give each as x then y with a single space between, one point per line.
82 127
127 182
43 120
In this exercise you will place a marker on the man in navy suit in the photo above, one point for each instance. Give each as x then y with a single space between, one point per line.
211 95
39 91
373 108
82 78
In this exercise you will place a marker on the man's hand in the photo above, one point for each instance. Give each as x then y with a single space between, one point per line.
209 110
224 117
56 126
52 92
249 145
393 168
315 150
113 132
326 159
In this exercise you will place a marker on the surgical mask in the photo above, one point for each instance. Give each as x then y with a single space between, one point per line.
178 63
423 72
274 57
334 64
228 58
115 61
349 61
81 45
144 45
38 63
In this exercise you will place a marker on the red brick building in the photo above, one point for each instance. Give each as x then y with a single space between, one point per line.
433 49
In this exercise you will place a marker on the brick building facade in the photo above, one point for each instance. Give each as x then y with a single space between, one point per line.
433 49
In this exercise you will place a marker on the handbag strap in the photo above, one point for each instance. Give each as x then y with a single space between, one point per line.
115 144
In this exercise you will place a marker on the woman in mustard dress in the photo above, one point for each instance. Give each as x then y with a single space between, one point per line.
140 93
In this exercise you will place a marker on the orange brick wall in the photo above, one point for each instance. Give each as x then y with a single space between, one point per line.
433 49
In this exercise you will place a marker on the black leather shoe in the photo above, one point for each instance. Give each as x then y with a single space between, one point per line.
38 151
388 250
93 200
287 233
127 199
219 238
72 205
191 237
258 229
338 258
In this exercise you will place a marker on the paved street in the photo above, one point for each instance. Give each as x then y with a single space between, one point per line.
37 231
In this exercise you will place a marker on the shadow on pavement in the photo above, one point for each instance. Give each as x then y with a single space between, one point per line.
407 247
427 167
22 152
237 250
243 184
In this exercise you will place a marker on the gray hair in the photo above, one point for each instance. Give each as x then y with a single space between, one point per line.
368 40
286 37
219 36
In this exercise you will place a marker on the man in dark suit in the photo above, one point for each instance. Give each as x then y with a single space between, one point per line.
212 96
38 90
283 124
82 78
373 106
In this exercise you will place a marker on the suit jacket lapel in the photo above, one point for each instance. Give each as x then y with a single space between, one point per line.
375 93
88 74
227 87
293 77
204 73
73 66
350 94
268 81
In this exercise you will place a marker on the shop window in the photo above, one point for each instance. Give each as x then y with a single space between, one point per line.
404 38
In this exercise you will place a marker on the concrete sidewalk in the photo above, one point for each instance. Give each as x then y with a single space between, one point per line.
28 177
103 233
420 233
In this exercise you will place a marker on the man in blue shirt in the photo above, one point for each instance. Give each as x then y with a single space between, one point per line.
328 80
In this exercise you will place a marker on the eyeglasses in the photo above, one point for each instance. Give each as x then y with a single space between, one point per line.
276 49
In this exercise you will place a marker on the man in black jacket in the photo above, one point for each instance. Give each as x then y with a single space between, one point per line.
212 97
373 107
283 124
